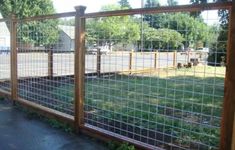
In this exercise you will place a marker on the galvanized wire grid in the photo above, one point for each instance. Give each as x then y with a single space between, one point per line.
154 101
45 63
5 76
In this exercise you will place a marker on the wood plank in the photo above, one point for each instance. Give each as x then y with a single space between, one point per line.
98 63
229 94
50 63
130 61
5 94
48 112
79 72
155 60
51 16
164 9
107 136
233 139
14 83
4 20
174 59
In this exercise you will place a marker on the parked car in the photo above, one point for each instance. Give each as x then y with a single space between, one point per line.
203 50
187 51
94 50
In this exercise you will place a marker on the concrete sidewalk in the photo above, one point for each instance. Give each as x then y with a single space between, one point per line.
18 132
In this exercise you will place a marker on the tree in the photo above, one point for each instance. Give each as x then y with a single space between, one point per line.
192 29
218 49
152 3
124 4
154 20
172 2
166 39
112 30
197 13
198 1
38 33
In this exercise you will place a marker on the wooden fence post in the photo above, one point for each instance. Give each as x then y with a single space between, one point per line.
14 81
233 139
50 63
229 94
174 59
130 61
98 63
155 60
188 57
79 67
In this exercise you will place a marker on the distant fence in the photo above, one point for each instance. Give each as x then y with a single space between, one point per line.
155 100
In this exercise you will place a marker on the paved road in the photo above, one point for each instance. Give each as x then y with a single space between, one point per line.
19 131
36 64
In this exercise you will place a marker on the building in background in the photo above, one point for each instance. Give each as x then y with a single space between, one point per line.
4 37
66 38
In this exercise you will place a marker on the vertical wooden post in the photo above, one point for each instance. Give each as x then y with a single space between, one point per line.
14 81
155 60
79 70
98 63
174 59
188 57
50 63
233 139
229 94
130 62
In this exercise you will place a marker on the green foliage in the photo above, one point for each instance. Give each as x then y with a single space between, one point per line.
37 33
162 38
218 47
124 29
52 122
197 14
59 125
172 2
118 146
26 8
192 29
124 4
152 3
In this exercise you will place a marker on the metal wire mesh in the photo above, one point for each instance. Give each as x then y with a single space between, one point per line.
5 56
150 91
45 63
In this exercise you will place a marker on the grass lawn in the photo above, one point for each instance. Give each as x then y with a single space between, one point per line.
184 104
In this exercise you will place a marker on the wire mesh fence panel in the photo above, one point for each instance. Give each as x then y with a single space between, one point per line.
157 81
5 62
45 62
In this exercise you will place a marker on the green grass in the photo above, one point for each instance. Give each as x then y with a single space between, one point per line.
195 95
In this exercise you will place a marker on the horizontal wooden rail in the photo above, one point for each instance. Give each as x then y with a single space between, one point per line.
164 9
107 136
48 112
5 94
43 17
42 51
4 20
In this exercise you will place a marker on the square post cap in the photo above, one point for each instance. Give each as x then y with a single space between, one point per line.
80 8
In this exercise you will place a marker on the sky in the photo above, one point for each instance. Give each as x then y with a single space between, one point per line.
95 5
210 17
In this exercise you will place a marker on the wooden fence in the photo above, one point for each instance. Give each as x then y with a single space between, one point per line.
227 125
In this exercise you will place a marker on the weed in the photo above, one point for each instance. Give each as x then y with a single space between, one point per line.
117 146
